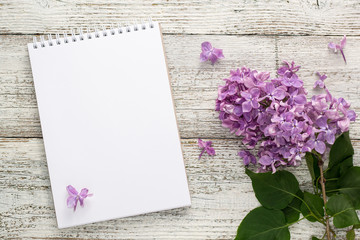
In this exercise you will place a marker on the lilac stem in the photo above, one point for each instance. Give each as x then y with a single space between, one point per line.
322 183
342 53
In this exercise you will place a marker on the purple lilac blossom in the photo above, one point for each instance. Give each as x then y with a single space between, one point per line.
247 157
320 82
206 146
339 47
274 115
288 69
210 53
75 197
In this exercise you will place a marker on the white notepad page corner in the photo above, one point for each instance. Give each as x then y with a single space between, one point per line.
109 125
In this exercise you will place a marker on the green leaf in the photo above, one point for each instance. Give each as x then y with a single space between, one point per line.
340 150
339 169
336 172
312 164
316 205
263 224
315 238
349 184
350 235
341 208
340 159
274 191
292 211
345 165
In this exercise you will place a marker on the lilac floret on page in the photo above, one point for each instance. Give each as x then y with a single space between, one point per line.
75 197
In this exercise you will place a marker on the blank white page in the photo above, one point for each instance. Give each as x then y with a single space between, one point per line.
109 125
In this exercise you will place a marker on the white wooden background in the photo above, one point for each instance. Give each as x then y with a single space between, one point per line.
256 33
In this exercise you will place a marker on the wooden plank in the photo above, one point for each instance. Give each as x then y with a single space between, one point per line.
221 196
194 84
290 17
221 192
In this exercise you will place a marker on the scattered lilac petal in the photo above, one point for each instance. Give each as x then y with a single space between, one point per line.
71 190
210 53
339 47
206 146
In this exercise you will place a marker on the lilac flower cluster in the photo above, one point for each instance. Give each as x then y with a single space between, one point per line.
275 115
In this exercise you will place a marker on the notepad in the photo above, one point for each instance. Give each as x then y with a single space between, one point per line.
108 123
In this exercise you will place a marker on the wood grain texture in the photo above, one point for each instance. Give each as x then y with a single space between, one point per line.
256 33
194 84
221 196
272 17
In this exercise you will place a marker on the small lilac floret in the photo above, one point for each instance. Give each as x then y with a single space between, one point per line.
206 146
339 47
210 53
247 157
320 82
75 197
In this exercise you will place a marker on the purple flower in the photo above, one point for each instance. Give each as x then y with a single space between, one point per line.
251 99
343 103
262 76
329 133
294 127
288 69
274 93
292 81
344 124
206 146
269 160
263 116
318 102
339 47
75 197
235 76
275 116
210 53
296 98
265 160
284 117
247 157
318 143
228 90
351 115
298 152
271 130
320 83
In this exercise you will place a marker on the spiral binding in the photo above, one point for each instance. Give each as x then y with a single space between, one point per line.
97 33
